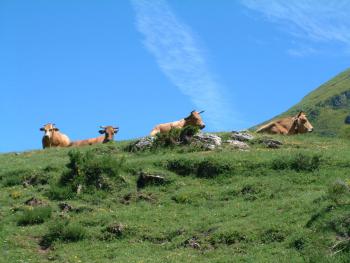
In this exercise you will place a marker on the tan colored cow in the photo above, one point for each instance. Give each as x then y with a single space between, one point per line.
193 119
53 137
108 135
288 125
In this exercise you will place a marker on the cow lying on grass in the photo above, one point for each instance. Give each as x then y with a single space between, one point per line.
193 119
108 135
53 137
288 126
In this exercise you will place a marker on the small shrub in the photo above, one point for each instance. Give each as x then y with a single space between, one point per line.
33 216
299 162
271 236
63 231
92 170
182 198
208 168
228 238
339 192
298 244
187 133
113 231
175 137
211 168
182 166
167 139
249 192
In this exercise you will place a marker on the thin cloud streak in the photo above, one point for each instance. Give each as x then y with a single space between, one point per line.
181 59
321 21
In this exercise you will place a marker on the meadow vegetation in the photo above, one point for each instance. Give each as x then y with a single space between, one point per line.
262 205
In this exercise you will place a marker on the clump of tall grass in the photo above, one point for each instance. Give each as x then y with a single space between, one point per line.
34 215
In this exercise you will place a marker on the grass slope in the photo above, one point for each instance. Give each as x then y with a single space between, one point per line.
327 106
262 205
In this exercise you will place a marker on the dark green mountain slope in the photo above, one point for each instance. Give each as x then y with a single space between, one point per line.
328 106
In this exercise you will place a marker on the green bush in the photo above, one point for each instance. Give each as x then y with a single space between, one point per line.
93 170
36 215
167 139
272 235
63 231
114 231
299 162
208 168
182 166
228 238
175 137
211 168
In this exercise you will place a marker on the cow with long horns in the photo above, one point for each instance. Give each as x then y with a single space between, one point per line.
53 137
108 135
194 119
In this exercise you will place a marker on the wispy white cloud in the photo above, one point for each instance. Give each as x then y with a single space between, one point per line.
320 21
181 59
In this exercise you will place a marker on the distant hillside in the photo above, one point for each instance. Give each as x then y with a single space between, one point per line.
328 106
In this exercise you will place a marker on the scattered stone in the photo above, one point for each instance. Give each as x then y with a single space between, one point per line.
207 141
238 145
65 207
271 143
142 144
149 179
242 136
34 202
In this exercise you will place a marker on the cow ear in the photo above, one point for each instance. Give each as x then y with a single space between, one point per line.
56 129
42 129
101 131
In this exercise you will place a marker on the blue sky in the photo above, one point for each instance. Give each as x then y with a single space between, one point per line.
136 63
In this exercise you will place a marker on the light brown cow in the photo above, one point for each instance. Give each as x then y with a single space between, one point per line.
193 119
53 137
288 125
108 135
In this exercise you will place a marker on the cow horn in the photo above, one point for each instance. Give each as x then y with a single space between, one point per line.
201 111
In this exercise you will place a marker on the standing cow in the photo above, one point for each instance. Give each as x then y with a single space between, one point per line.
193 119
108 135
288 125
53 137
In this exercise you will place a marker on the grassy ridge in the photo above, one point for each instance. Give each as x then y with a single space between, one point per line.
327 106
262 205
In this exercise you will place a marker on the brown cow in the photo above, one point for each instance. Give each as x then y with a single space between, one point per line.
108 135
288 125
194 119
53 137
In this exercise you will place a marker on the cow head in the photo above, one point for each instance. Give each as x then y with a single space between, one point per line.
195 120
302 124
49 130
109 132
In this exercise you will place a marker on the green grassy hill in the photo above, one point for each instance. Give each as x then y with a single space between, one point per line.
263 205
327 106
